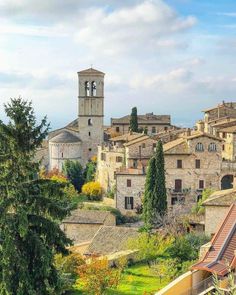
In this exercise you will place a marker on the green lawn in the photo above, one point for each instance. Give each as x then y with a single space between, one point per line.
136 280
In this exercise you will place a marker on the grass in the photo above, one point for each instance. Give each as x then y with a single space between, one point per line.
138 279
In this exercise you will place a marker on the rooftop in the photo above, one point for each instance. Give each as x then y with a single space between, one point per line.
111 239
143 119
221 198
127 137
91 71
87 217
65 137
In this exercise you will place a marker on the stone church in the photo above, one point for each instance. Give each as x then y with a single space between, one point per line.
80 138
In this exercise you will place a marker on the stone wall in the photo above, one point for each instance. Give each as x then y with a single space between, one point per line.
214 216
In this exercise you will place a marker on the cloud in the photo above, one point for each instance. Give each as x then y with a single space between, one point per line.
142 27
229 14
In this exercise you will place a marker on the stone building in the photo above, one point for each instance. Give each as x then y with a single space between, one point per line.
216 207
79 139
82 225
152 123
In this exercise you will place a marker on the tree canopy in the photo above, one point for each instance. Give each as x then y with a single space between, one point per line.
134 120
30 208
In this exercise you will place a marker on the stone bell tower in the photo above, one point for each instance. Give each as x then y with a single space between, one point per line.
91 111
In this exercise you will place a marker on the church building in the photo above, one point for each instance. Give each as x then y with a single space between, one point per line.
79 140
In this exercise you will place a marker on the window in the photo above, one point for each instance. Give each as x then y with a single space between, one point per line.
154 145
143 145
128 182
135 163
153 129
117 129
179 164
62 155
86 86
178 185
90 122
89 133
197 164
201 184
212 147
103 156
199 147
94 88
224 135
119 159
114 176
223 147
90 149
165 128
129 203
177 200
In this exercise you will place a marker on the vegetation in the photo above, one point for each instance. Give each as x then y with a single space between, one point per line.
155 199
90 170
199 209
134 120
30 208
92 190
97 276
73 170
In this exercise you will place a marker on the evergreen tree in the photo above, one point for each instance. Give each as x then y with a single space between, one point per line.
30 209
73 170
134 120
155 199
90 171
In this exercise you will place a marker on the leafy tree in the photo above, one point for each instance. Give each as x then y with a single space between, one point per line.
98 276
155 199
93 190
30 208
134 120
199 209
74 172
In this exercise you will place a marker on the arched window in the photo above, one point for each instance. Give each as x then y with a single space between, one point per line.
199 147
212 147
90 122
86 86
94 88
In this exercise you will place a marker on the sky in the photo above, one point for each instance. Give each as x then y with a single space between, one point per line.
172 57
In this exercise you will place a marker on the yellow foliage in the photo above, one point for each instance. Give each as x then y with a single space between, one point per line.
92 189
59 178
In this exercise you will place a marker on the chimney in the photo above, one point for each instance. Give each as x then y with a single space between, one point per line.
188 132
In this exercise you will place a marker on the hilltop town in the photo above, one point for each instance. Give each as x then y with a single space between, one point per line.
199 163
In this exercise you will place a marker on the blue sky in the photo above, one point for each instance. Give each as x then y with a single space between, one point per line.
172 57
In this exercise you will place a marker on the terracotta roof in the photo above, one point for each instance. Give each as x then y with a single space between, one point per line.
136 140
169 145
127 137
65 137
87 217
143 119
224 122
231 129
221 198
197 134
111 239
91 71
221 255
228 105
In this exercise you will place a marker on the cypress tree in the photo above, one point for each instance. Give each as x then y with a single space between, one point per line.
134 120
73 170
30 209
155 199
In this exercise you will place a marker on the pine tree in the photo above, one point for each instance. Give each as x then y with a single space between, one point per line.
30 209
155 199
134 120
73 170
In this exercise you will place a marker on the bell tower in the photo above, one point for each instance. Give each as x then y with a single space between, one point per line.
91 111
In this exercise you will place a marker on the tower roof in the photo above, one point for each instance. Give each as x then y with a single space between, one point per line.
65 137
91 71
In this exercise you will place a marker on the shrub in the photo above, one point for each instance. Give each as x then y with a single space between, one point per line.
92 190
198 208
97 276
90 170
74 172
67 267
